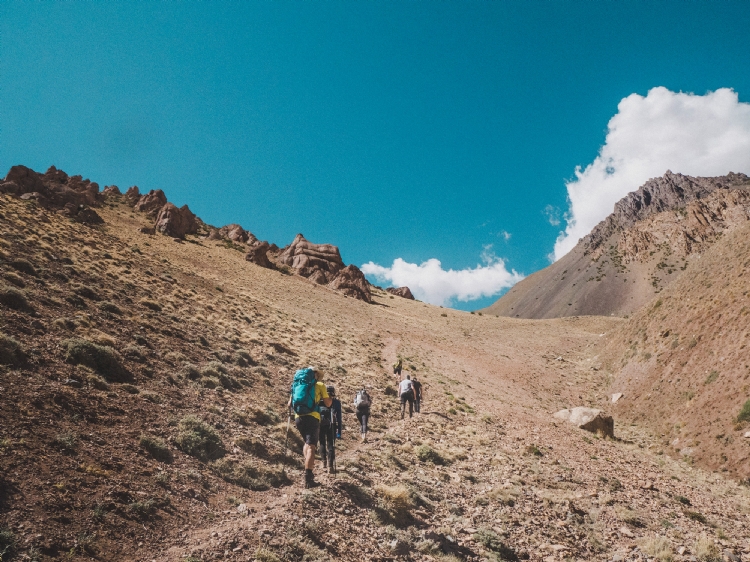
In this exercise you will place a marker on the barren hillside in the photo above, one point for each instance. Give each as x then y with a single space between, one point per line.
642 247
142 393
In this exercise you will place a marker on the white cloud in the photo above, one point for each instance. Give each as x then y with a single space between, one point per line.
431 283
694 135
505 235
553 215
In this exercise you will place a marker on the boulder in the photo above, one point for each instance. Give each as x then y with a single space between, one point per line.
236 233
152 202
616 397
589 419
404 292
87 215
133 194
176 222
27 180
9 187
351 281
306 258
258 255
111 190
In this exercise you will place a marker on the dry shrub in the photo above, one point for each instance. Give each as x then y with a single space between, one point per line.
657 547
104 360
706 551
14 279
156 448
102 339
151 305
398 502
15 299
11 352
199 440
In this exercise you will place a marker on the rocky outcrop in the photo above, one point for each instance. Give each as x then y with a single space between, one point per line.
403 292
133 194
258 254
351 281
111 190
236 233
53 189
87 215
176 222
319 262
589 419
669 192
151 203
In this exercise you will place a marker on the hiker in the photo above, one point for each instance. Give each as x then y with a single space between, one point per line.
406 393
417 386
362 402
397 370
330 429
305 398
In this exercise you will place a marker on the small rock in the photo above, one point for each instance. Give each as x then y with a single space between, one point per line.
616 397
627 532
589 419
731 556
242 508
72 382
681 550
747 435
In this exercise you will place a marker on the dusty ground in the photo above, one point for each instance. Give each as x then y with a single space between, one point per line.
482 473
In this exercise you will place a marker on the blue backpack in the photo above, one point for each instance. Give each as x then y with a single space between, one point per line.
303 392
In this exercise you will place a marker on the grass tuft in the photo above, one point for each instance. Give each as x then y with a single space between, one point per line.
11 352
156 448
102 359
199 440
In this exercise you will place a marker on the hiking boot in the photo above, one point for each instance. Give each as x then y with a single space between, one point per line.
309 481
331 469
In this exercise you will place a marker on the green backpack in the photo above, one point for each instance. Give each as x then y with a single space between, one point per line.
303 392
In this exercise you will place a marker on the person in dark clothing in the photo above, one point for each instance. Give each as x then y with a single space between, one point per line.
417 387
330 430
362 402
406 393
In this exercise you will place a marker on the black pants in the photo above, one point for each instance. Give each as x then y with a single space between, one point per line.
363 415
407 397
417 403
327 449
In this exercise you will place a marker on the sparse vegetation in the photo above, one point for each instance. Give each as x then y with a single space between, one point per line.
490 540
67 441
156 448
744 415
713 375
13 298
11 352
250 476
706 551
425 453
199 440
102 359
657 547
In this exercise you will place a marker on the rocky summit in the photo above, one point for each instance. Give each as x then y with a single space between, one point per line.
145 364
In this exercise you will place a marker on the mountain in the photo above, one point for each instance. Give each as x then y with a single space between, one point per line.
637 251
143 386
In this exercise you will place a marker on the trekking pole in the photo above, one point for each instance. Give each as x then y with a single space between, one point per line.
333 446
286 441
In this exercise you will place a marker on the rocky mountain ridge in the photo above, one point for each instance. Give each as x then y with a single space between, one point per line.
642 247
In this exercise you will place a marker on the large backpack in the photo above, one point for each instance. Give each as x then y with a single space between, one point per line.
325 416
303 392
362 400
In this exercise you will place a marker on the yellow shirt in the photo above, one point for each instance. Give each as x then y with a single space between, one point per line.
320 392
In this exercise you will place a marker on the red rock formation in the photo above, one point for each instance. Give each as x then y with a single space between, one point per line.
404 292
152 202
258 255
236 233
176 222
351 281
319 262
111 190
133 194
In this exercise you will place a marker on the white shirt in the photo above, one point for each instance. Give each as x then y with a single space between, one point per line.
404 386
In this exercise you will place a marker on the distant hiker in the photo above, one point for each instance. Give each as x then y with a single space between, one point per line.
397 369
305 398
417 386
406 393
330 429
362 402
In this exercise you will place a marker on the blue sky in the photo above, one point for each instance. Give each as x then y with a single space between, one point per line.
412 130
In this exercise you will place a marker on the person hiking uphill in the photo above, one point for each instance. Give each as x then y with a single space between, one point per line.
305 398
406 393
397 369
362 403
417 386
330 429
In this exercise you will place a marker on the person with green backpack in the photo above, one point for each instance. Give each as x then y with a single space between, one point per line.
307 395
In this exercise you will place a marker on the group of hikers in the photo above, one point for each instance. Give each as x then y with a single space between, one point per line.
318 418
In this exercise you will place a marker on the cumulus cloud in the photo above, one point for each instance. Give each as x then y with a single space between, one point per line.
553 215
695 135
429 282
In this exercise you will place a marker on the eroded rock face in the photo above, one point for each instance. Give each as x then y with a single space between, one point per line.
152 202
111 190
87 215
53 189
176 222
319 262
236 233
589 419
403 292
133 194
351 281
258 255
